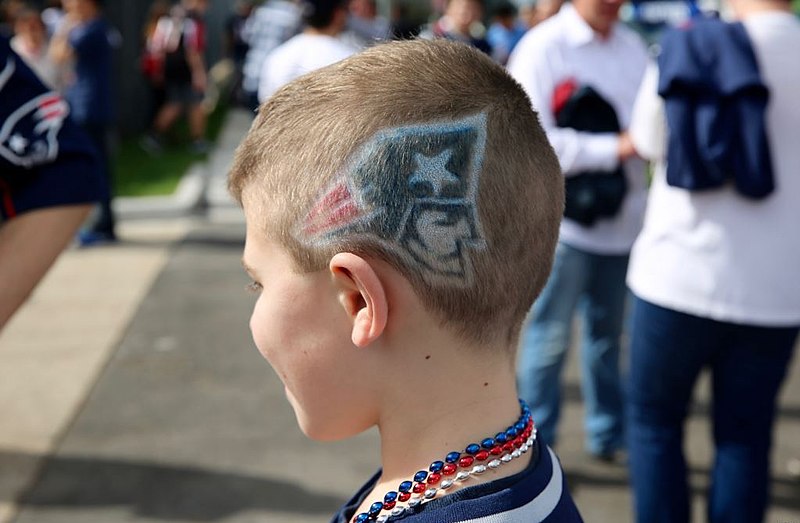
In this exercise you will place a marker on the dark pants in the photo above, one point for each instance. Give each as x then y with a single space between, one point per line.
747 364
104 221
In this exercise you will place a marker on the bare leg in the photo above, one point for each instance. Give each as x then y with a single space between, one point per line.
166 117
197 121
29 244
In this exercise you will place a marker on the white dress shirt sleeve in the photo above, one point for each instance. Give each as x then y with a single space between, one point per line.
648 129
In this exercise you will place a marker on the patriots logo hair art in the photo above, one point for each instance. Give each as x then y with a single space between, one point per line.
414 190
29 136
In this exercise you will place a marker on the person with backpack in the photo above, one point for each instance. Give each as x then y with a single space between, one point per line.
179 39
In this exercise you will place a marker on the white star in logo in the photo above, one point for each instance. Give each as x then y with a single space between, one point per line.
17 143
433 170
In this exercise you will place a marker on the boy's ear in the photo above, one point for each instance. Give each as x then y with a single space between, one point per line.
362 295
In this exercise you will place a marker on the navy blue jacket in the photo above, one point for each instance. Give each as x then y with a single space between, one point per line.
715 106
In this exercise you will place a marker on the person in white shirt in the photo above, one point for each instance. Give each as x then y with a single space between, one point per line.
268 26
584 45
317 46
715 279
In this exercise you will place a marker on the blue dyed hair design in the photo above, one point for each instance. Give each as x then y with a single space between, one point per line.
413 189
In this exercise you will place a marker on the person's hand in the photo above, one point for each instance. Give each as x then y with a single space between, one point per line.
625 148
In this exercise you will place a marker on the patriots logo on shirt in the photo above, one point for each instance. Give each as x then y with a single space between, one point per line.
414 190
28 137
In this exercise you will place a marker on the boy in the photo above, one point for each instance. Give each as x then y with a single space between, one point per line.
402 210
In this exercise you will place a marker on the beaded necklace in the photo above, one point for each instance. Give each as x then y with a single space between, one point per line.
457 467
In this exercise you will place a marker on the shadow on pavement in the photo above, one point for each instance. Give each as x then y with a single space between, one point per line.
161 491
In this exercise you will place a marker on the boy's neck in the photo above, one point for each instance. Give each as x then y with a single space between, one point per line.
447 399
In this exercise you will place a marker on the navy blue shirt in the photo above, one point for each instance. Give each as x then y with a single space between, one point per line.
537 494
45 159
90 96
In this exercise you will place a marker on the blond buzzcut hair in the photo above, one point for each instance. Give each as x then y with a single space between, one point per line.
313 133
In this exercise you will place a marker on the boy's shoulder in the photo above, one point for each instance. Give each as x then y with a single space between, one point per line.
536 494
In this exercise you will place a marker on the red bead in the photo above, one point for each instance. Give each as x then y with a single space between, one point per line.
418 488
390 505
466 461
404 496
434 478
508 447
518 442
449 469
496 451
482 455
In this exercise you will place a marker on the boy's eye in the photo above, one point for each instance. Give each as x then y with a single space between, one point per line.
253 287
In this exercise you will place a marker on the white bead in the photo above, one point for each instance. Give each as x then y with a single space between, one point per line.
494 463
430 493
413 502
383 518
479 469
506 458
447 483
461 476
524 448
516 453
398 511
530 442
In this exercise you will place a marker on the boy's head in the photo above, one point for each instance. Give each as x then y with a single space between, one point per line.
423 155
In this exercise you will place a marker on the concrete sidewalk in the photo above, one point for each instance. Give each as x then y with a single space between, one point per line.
130 391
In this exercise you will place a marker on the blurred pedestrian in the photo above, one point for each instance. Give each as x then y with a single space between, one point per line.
403 27
505 32
461 22
365 24
236 45
32 44
270 25
317 46
52 16
582 69
49 177
151 61
180 39
8 13
714 271
533 12
84 40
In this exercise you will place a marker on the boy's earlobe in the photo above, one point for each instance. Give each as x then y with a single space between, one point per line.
362 295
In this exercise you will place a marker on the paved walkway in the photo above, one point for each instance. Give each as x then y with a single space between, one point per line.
130 391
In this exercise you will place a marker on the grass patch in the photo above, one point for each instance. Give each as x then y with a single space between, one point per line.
136 173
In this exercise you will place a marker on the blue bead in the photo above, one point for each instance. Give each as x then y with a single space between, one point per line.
452 457
519 426
420 476
473 449
511 433
436 466
390 496
487 443
376 507
361 518
501 438
405 486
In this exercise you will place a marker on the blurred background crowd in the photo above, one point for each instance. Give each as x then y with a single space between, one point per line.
150 83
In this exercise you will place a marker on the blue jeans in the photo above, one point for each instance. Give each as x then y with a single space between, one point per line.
595 285
747 363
